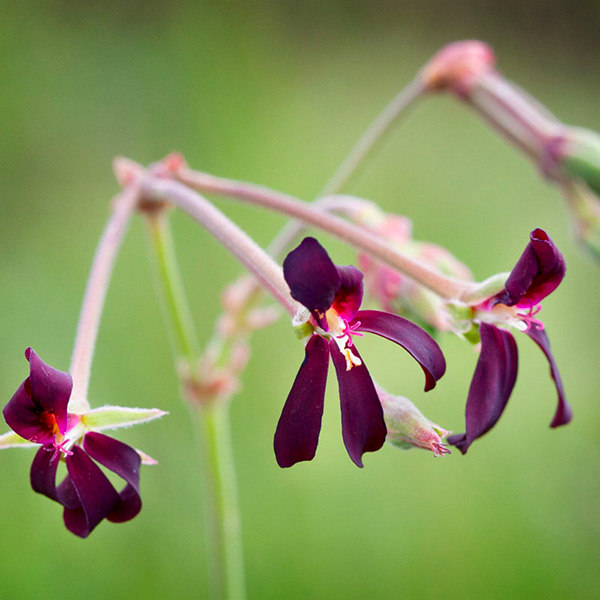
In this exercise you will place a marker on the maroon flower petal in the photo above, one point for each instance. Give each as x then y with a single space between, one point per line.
363 427
43 479
297 434
418 343
39 406
492 384
313 278
537 273
96 494
125 462
43 472
349 297
563 414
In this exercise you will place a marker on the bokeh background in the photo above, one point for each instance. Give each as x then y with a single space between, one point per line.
276 93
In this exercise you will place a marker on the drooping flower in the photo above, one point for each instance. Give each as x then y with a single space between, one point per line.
38 415
538 272
332 296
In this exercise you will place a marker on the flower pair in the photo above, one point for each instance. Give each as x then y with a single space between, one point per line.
332 296
538 272
38 414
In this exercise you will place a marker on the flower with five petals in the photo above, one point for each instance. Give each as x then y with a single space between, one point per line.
332 296
38 415
538 272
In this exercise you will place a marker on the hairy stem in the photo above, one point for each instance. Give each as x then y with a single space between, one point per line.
252 256
123 207
446 287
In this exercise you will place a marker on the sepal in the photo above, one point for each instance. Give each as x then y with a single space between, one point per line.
115 417
12 440
408 427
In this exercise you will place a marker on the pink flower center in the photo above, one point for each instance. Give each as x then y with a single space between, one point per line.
529 317
349 331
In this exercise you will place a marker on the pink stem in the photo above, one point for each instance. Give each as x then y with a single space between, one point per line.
252 256
446 287
124 205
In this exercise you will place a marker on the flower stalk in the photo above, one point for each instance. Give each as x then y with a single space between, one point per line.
252 256
373 136
446 287
124 206
211 424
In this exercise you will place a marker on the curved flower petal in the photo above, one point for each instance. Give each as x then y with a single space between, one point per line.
418 343
538 272
297 434
563 414
313 278
363 427
492 384
350 294
125 462
38 409
96 494
43 479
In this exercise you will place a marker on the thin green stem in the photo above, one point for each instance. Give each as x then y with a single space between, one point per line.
178 310
211 424
372 137
370 140
223 515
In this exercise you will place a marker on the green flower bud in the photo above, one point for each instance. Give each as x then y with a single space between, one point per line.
408 427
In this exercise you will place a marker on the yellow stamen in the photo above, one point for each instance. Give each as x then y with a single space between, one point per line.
351 360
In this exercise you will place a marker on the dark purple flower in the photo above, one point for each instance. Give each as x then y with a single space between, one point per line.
333 294
38 413
537 273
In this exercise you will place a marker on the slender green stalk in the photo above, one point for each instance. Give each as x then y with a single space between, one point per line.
372 137
364 148
211 424
224 526
182 325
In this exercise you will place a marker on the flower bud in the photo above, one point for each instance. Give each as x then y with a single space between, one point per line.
408 428
400 294
457 65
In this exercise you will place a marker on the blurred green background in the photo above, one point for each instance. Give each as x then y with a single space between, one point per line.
276 93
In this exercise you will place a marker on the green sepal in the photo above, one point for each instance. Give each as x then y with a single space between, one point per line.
115 417
303 330
472 335
12 440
